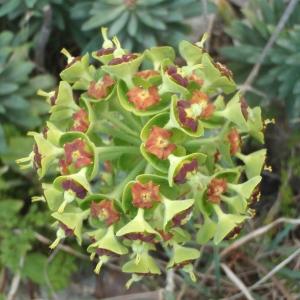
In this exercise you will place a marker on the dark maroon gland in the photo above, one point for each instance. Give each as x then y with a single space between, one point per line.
244 108
105 51
53 98
144 237
101 252
143 274
190 123
123 59
233 233
182 264
45 132
172 72
37 158
224 70
68 231
185 169
177 220
72 185
74 60
255 196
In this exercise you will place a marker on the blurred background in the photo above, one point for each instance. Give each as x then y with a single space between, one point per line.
258 39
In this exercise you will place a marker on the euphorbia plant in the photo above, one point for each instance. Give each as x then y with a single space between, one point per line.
139 151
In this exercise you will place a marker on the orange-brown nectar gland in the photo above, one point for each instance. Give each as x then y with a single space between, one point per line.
158 143
203 100
100 90
143 98
105 211
77 153
144 195
166 236
234 140
195 78
146 74
216 188
81 121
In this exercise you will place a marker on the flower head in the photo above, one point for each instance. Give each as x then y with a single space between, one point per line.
77 154
158 142
143 98
105 211
202 99
215 189
144 195
186 169
100 89
76 188
189 112
81 121
234 140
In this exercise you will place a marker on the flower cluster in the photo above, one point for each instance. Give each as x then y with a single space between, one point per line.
140 153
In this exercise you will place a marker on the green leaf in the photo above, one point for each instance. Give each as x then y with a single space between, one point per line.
2 140
119 23
103 17
34 268
30 3
150 21
7 87
132 26
61 269
8 7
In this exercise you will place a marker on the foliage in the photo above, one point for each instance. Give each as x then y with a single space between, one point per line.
19 106
30 13
141 156
17 239
279 76
138 23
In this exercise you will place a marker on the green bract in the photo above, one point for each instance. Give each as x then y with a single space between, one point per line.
130 157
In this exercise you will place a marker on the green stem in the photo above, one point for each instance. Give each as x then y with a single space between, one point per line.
112 152
120 124
129 118
103 127
202 141
116 193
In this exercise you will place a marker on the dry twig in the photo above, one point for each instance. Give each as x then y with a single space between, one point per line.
270 274
237 281
255 70
16 281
